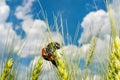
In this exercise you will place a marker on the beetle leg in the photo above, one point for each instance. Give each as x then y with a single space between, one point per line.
54 63
44 55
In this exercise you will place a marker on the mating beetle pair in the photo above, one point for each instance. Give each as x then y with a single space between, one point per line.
48 52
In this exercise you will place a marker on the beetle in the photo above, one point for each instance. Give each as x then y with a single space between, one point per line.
48 52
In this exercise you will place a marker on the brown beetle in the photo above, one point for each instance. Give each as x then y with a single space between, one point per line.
48 52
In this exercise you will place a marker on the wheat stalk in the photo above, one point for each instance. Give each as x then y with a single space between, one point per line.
111 19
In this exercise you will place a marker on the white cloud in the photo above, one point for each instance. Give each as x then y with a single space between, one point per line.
6 31
92 23
71 50
22 12
84 49
4 11
102 49
8 37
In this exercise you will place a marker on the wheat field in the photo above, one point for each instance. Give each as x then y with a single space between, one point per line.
68 60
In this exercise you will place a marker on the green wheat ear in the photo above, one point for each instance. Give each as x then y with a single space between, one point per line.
62 69
112 21
11 77
90 55
114 64
7 69
37 70
90 52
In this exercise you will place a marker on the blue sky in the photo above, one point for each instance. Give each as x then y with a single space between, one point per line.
72 11
19 17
